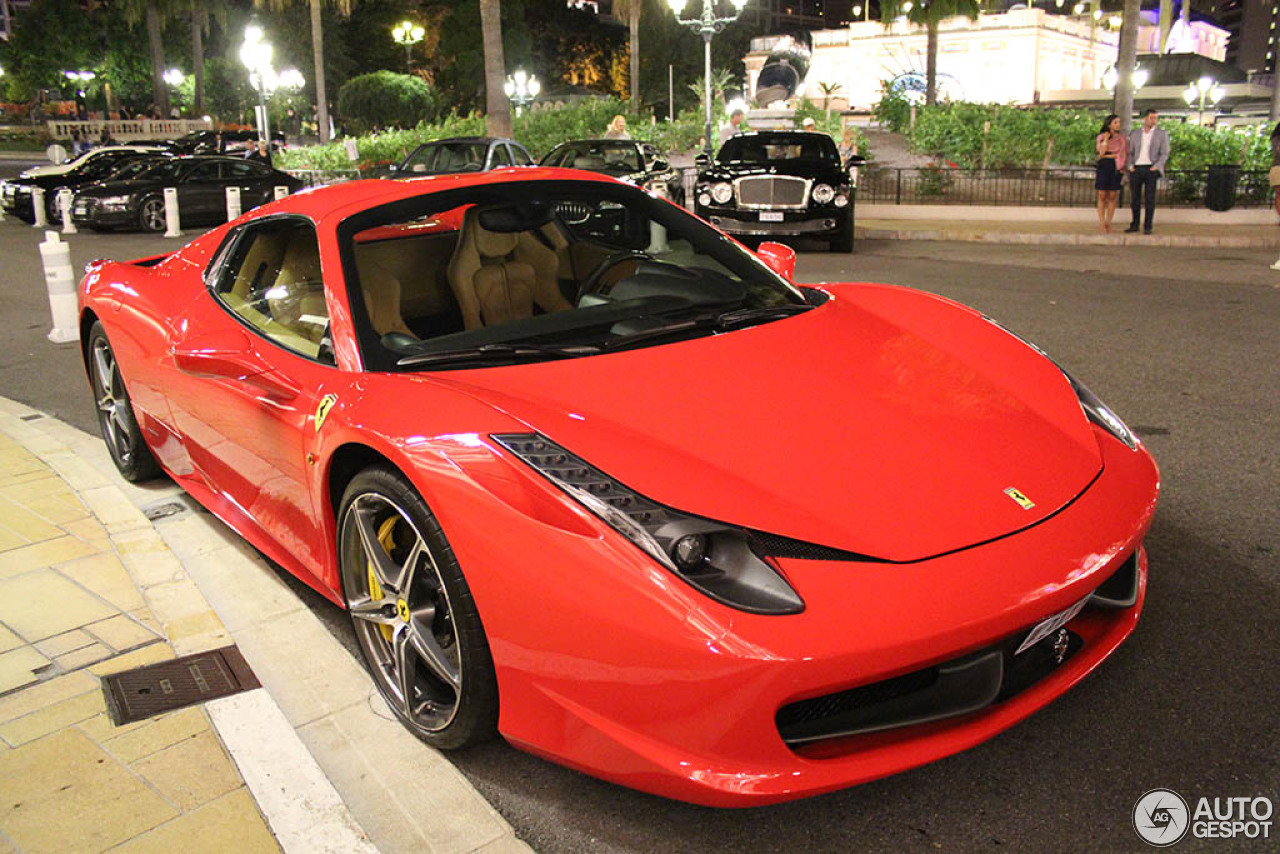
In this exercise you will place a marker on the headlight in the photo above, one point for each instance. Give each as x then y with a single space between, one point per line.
114 201
1099 413
704 199
841 200
722 192
715 558
823 193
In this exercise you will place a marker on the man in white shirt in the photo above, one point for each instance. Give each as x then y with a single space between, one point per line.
730 129
1148 153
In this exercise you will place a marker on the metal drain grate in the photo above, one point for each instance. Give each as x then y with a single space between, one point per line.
144 692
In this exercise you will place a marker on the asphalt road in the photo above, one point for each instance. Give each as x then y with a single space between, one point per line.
1182 343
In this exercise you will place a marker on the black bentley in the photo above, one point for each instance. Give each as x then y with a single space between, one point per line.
201 183
772 184
635 162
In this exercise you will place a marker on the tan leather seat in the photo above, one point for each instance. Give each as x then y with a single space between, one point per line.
381 291
498 277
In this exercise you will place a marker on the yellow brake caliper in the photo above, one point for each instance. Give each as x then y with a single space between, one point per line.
386 539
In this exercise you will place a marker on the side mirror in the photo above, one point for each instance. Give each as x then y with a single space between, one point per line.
778 257
854 160
702 161
661 165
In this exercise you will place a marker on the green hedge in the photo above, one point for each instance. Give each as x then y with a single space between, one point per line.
385 99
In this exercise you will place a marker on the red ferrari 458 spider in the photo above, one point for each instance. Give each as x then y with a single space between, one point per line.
589 474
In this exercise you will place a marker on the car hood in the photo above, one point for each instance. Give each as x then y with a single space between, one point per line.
885 422
41 171
818 170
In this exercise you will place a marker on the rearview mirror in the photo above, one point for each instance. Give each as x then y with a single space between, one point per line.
661 166
778 257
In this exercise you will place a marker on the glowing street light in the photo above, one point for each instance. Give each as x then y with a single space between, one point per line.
521 89
407 33
1111 77
1202 89
256 53
174 77
708 25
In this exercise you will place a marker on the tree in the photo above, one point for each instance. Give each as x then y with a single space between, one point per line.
928 15
152 13
497 110
828 89
632 9
1126 62
317 53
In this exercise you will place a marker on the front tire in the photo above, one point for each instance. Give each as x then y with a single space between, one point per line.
116 420
151 214
414 618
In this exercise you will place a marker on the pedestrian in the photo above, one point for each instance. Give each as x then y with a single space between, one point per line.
261 152
1149 151
1113 151
1273 177
730 128
617 129
809 124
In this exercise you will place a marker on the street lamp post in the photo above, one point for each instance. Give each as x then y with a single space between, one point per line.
1205 87
407 34
708 25
255 53
521 89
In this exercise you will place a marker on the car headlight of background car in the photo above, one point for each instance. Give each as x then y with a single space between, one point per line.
715 558
823 193
115 203
722 192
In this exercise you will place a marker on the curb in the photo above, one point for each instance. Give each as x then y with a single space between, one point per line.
1188 241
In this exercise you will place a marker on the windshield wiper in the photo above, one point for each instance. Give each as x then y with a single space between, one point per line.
497 353
713 322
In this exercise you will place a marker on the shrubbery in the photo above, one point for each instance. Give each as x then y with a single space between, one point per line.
385 99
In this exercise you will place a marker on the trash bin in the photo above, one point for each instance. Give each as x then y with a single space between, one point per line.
1220 188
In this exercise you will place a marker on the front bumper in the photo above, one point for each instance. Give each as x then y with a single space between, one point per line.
626 673
89 213
823 222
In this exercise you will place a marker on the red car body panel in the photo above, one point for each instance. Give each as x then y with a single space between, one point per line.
886 422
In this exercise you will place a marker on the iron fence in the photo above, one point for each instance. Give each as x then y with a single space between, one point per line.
1072 187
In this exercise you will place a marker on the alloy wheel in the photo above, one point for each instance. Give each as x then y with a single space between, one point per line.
114 414
401 611
152 215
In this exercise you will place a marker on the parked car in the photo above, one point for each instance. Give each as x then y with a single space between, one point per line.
462 154
201 181
639 163
233 141
591 476
93 165
769 184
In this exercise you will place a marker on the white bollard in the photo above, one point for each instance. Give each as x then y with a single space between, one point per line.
281 192
64 205
37 208
233 203
60 279
172 216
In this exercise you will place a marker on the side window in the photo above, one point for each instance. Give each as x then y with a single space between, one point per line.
242 170
203 172
520 156
501 157
272 281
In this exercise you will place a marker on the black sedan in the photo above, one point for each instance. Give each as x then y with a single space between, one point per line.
771 184
232 141
462 154
16 194
639 163
201 183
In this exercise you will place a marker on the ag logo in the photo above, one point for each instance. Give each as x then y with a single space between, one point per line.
1161 817
1023 501
322 410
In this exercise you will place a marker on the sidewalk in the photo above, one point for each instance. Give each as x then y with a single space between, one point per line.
90 586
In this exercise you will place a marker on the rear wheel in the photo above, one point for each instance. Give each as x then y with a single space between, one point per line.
413 614
120 429
151 214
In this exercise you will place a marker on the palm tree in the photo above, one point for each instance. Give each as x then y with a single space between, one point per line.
721 79
498 111
632 9
200 14
151 12
1126 62
828 89
317 52
928 14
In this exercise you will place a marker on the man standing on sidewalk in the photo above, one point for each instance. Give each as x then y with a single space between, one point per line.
1149 148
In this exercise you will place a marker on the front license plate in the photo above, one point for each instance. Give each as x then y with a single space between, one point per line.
771 216
1051 625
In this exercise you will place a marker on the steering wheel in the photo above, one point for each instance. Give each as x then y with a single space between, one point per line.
592 282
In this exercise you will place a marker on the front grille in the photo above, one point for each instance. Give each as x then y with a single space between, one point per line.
772 191
772 545
84 207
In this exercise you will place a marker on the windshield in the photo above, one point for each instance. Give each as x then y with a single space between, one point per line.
539 266
131 169
775 147
441 157
611 158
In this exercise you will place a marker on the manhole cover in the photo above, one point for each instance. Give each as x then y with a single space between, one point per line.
164 510
144 692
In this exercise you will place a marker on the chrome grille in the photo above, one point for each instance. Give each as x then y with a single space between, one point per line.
772 191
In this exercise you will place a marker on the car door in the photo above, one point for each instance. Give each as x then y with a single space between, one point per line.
251 363
201 197
254 180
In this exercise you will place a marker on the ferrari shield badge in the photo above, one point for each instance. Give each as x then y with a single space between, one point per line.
1013 492
322 409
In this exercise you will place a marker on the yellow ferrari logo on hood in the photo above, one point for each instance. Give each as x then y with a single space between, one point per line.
1023 501
322 410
